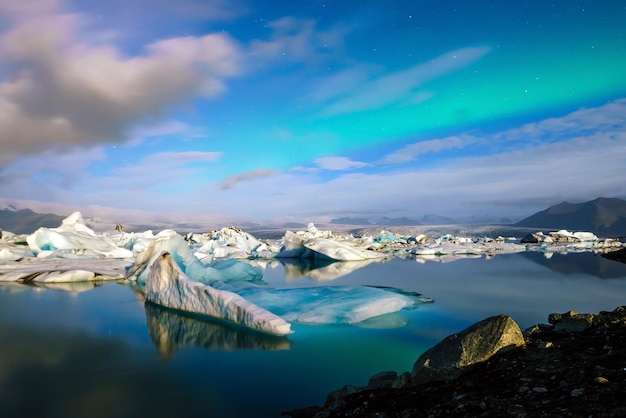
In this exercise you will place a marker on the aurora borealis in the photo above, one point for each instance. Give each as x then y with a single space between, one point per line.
309 110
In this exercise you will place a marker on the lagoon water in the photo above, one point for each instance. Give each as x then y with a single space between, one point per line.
103 352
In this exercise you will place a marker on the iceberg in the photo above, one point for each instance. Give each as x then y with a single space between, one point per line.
340 251
333 304
173 243
167 285
59 270
75 237
320 269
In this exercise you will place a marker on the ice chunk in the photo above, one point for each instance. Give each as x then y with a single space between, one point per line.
230 242
332 305
174 244
169 286
58 270
320 269
339 250
73 235
11 252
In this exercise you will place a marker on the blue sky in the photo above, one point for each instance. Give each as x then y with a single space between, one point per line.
283 110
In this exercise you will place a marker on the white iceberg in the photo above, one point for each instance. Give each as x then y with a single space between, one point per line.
174 244
294 246
73 236
12 252
167 285
60 270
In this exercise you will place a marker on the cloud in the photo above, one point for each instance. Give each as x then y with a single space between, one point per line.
230 181
295 40
337 163
416 149
28 8
602 118
62 92
400 86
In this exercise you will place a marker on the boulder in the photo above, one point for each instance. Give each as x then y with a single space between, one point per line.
571 321
458 352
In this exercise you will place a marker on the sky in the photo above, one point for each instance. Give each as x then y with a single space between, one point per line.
307 110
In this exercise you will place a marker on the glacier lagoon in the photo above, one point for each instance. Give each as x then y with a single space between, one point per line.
102 351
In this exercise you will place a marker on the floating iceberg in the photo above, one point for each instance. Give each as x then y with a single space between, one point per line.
59 270
73 236
341 251
173 243
167 285
333 304
320 269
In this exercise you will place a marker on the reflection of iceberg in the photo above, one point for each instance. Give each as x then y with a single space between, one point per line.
169 286
333 304
171 330
320 269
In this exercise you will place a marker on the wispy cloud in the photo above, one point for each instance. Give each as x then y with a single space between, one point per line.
401 86
295 40
601 118
230 181
412 151
337 163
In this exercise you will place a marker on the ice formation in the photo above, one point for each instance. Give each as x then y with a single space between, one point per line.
167 285
73 236
332 304
61 270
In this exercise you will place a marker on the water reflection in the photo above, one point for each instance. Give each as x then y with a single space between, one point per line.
321 269
586 263
60 373
171 331
70 287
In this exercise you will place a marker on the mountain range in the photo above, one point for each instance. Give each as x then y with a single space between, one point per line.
25 221
603 216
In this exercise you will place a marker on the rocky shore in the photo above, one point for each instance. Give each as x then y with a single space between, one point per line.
573 367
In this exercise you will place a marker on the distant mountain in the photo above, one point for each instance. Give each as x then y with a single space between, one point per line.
350 221
437 220
602 216
404 221
25 221
385 221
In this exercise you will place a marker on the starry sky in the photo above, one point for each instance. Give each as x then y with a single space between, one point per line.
308 110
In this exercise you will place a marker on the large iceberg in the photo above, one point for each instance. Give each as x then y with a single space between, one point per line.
73 237
167 285
175 244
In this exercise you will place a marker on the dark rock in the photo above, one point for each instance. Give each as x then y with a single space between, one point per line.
382 380
452 356
580 377
571 321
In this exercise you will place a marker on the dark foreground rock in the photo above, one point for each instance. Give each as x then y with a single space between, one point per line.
575 367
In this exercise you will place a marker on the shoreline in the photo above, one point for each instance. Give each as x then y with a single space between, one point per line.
561 371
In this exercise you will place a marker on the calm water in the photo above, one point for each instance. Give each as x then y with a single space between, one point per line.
104 353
